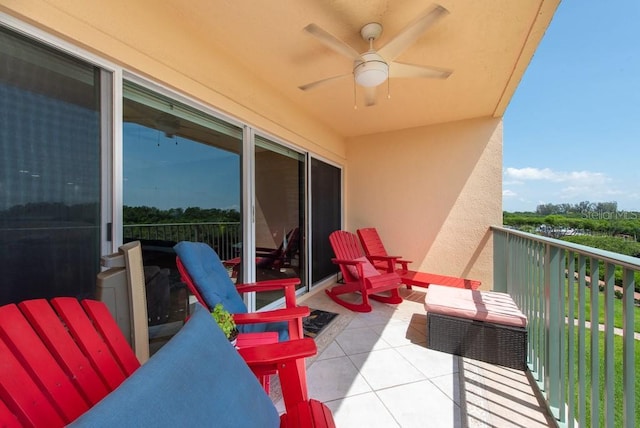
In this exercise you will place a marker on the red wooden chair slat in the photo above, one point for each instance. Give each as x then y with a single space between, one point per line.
27 347
64 349
22 396
89 341
7 418
111 334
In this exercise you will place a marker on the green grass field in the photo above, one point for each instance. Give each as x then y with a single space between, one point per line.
617 356
618 396
617 309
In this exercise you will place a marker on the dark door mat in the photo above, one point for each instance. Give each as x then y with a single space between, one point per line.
316 322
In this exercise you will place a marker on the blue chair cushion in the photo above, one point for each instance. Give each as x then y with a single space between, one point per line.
280 327
212 280
209 275
196 379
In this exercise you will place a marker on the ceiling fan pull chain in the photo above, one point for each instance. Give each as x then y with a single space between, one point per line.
388 89
355 100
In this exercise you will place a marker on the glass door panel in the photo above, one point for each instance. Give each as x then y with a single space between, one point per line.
279 215
326 216
50 168
181 182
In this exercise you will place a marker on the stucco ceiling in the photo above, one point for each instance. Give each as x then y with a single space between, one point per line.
488 45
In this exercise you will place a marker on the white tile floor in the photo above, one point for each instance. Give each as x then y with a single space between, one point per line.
374 370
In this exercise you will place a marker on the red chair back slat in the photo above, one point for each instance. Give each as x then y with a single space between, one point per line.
22 396
345 247
89 340
7 418
27 347
371 242
64 349
111 334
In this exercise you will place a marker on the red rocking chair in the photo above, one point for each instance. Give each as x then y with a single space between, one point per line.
377 255
359 275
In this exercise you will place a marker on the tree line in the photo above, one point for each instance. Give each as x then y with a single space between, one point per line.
584 218
153 215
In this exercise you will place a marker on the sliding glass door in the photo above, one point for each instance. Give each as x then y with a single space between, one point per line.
326 216
52 109
279 215
182 181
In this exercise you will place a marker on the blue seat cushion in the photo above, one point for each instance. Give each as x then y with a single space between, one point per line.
212 280
196 379
210 276
280 327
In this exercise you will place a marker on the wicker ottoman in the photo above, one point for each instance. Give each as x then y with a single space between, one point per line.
482 325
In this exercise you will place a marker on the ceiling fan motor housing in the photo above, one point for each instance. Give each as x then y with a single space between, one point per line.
371 71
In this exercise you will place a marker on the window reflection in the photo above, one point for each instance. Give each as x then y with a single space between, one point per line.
181 171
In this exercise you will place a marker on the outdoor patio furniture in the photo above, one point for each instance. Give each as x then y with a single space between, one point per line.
271 258
483 325
208 280
359 275
377 254
67 363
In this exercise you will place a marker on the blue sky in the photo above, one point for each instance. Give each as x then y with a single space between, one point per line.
572 129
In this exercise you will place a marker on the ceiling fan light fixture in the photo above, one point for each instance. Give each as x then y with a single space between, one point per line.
372 71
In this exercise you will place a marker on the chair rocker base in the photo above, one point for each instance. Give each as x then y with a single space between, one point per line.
364 306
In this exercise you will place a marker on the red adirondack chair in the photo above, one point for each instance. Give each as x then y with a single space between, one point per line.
271 258
359 275
214 286
59 359
377 254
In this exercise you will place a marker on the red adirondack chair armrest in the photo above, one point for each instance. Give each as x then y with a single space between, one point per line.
404 263
396 259
287 314
280 352
288 284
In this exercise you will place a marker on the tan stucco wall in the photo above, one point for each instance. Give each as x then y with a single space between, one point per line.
153 42
432 193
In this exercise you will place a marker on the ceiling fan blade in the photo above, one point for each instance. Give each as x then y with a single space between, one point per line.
399 69
332 42
322 82
369 95
411 33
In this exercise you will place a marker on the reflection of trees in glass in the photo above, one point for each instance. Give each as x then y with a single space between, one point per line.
153 215
51 211
216 227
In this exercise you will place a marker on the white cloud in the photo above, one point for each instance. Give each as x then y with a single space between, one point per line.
546 185
548 174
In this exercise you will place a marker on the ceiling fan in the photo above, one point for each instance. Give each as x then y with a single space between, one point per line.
374 67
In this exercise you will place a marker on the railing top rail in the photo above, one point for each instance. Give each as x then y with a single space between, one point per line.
607 256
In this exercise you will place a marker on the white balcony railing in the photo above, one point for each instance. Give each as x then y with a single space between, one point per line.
224 237
578 357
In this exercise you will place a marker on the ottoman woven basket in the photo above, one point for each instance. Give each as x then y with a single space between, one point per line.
482 325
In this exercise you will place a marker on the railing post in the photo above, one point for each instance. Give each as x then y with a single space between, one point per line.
582 341
628 354
501 259
595 338
553 327
571 343
609 363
